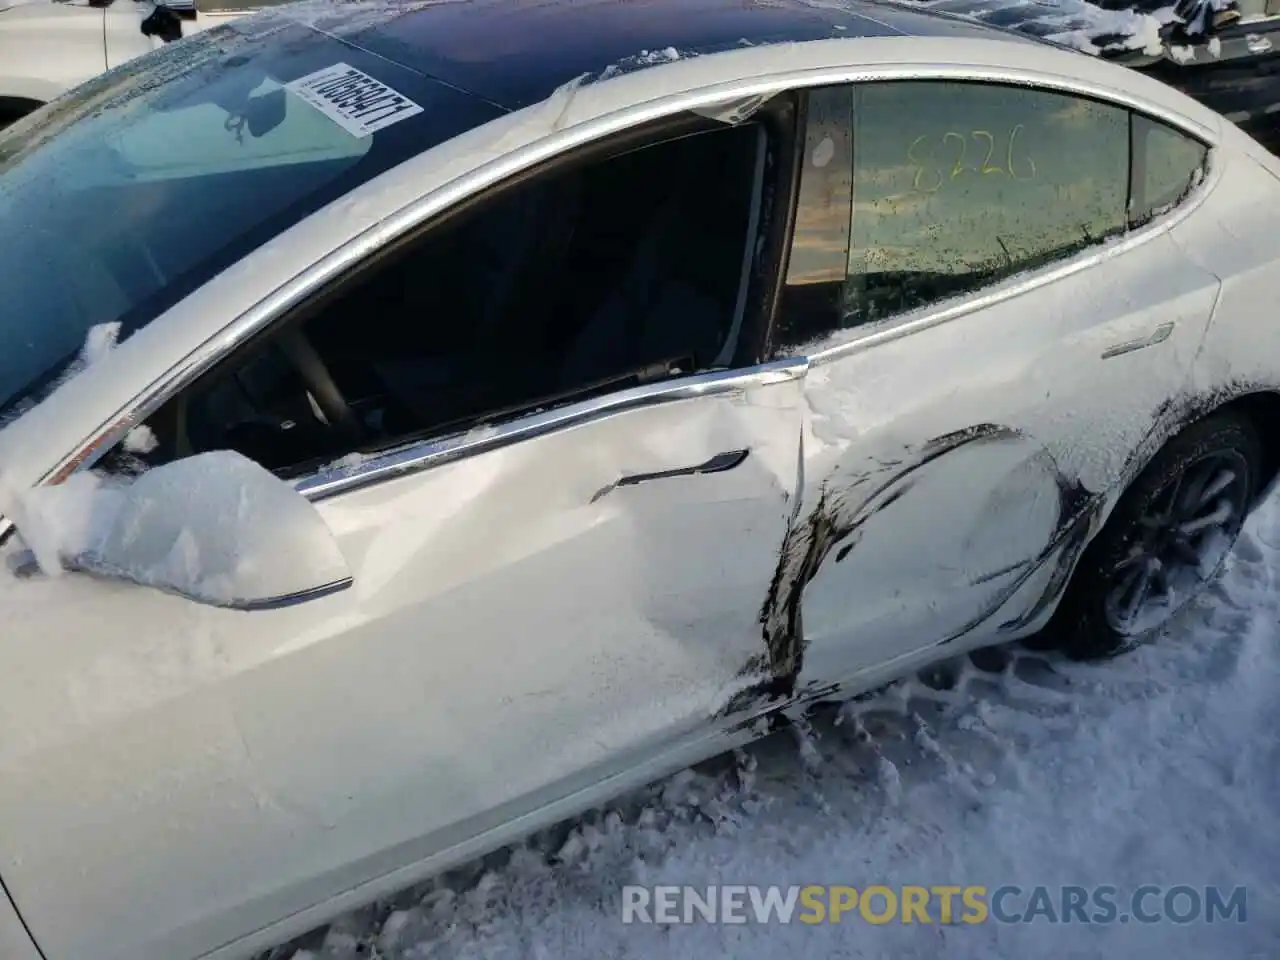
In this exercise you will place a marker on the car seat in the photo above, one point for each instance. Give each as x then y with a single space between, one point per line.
662 309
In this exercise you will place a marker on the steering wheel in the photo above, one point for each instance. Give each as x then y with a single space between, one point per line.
311 367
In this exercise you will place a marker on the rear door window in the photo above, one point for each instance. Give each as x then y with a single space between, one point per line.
957 185
1167 166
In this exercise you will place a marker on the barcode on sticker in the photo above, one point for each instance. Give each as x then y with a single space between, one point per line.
352 99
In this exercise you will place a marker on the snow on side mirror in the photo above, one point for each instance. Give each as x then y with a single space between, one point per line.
216 528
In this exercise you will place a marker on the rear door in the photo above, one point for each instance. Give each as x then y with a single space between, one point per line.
990 345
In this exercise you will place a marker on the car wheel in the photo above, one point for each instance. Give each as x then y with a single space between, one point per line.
1166 540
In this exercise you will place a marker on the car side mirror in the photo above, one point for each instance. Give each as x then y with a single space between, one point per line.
218 529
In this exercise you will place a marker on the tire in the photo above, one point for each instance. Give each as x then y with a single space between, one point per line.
1096 618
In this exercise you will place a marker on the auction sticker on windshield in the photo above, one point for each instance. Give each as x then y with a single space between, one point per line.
352 99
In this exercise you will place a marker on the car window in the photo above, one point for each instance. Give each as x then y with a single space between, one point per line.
137 187
955 185
1167 165
580 281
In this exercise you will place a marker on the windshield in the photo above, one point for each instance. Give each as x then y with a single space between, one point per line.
136 188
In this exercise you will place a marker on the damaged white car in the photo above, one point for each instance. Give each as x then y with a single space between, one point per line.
458 446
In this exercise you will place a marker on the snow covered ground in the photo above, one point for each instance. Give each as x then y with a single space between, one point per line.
1162 767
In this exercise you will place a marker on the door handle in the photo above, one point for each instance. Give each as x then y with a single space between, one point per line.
720 463
1159 335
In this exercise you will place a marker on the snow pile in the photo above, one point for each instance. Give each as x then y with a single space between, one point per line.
1074 23
645 58
1161 767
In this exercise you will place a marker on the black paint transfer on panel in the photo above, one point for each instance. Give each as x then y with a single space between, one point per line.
831 526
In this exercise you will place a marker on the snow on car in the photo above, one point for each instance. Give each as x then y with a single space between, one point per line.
404 454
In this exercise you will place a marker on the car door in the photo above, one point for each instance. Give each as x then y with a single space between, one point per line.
989 350
544 609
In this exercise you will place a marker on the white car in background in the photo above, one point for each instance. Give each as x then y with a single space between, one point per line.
49 46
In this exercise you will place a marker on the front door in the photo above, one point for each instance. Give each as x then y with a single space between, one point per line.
547 606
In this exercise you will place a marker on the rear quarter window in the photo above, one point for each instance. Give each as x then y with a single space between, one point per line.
1167 166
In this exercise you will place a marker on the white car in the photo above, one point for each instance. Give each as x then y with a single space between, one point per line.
49 46
427 423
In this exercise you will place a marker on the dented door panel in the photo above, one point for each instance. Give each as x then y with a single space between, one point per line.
524 623
947 463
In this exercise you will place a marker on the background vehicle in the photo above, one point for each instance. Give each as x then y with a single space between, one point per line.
49 46
625 395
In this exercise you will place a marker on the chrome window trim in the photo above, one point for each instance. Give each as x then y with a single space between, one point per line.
750 244
296 289
926 317
414 457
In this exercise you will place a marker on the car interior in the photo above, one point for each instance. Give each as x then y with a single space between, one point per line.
595 277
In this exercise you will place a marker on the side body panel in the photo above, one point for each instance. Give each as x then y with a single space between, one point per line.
525 624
